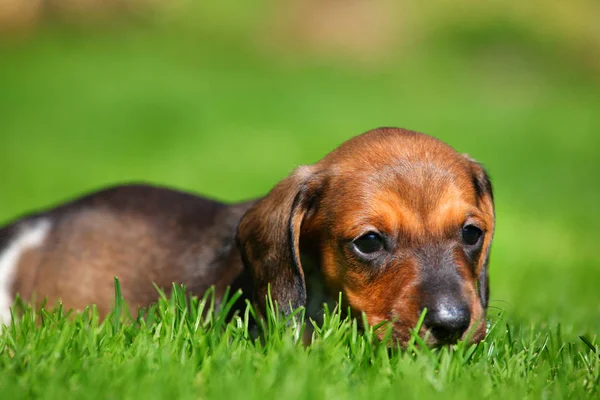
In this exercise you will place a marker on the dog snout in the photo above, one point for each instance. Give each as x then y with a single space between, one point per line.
447 319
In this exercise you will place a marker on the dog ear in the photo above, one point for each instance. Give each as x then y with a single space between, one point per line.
485 197
268 237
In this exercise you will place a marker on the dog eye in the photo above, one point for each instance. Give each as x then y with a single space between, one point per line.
368 243
471 235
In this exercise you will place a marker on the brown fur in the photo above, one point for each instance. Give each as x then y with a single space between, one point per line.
139 234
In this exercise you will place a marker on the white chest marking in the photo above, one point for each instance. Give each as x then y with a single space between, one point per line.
29 236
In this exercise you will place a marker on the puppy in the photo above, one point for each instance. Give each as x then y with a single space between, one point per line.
395 220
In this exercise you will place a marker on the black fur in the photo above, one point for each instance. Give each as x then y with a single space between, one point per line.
6 234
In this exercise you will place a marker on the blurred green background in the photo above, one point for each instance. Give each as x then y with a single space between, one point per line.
225 99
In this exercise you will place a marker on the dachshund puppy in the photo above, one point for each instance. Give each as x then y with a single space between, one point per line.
395 220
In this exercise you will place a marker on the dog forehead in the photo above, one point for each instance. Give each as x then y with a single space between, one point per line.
404 186
380 146
394 206
419 178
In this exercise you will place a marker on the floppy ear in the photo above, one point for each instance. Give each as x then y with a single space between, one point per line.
485 198
268 237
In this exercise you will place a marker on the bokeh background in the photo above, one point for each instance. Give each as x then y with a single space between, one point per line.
226 97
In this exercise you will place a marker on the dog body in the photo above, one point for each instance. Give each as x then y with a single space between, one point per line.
396 220
140 234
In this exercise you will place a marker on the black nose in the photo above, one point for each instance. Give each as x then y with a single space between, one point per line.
447 320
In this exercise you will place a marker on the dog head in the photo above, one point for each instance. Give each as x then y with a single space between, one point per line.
396 220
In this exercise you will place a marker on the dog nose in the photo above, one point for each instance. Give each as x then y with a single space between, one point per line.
447 320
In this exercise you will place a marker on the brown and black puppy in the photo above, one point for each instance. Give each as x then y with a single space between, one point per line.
396 220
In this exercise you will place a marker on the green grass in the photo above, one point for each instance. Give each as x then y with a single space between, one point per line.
183 349
220 118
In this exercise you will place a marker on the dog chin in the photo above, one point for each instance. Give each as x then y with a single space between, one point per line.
401 337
